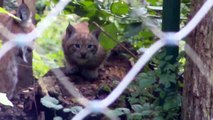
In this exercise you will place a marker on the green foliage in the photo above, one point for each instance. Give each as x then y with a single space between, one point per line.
156 93
39 66
48 53
53 103
148 79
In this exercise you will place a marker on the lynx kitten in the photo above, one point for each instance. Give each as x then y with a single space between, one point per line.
82 51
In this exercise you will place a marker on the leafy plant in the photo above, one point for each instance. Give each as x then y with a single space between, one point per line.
156 92
48 53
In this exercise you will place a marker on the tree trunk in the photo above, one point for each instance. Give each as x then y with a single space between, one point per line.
197 91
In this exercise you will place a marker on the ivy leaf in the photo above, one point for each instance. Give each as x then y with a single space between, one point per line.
4 100
119 8
2 10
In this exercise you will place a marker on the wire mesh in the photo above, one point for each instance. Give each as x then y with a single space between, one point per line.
101 106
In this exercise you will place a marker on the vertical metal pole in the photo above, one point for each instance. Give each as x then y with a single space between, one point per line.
171 21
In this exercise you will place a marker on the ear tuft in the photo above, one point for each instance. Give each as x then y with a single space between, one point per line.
23 12
96 33
70 30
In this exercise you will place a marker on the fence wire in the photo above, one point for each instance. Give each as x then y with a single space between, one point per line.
101 106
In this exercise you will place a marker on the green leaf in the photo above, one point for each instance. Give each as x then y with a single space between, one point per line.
2 10
169 104
133 29
76 109
106 88
137 108
159 118
146 83
107 42
146 79
172 102
167 79
119 8
57 118
51 102
168 57
89 7
147 113
136 116
121 111
4 100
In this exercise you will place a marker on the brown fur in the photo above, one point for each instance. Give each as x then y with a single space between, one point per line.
9 63
82 51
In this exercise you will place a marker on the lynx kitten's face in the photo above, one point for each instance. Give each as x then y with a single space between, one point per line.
82 47
82 51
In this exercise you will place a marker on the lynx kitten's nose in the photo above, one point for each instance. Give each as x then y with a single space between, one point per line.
83 55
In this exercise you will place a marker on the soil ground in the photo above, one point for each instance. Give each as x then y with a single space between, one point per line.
27 105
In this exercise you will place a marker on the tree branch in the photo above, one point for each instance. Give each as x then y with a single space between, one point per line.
108 35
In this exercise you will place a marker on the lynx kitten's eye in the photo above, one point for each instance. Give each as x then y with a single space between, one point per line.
77 45
89 46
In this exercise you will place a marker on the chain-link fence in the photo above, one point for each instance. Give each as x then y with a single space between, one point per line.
101 106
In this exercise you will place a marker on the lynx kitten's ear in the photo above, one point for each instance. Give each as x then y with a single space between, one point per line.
96 33
70 30
24 13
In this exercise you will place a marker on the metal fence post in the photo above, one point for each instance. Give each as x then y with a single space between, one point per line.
171 21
